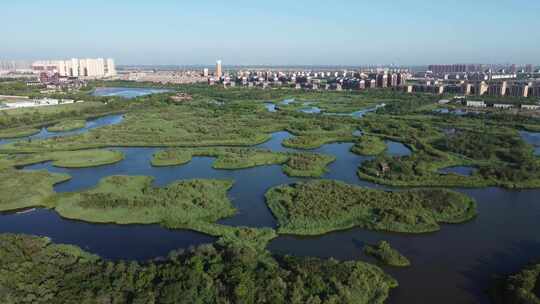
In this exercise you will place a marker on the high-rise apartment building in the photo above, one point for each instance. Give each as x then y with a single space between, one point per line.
87 67
219 71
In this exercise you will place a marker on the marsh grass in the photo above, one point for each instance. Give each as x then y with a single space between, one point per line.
318 207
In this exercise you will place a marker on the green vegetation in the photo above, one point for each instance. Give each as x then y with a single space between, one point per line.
65 159
313 141
319 207
386 254
369 145
67 125
521 288
492 145
34 270
229 158
24 189
17 132
307 164
133 200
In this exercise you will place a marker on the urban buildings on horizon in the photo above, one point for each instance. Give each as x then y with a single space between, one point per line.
93 68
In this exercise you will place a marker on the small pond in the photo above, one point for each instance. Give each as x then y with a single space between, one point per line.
459 170
397 149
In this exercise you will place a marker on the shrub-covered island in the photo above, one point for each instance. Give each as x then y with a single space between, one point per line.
386 254
318 207
67 125
133 200
301 164
34 270
520 288
369 145
64 159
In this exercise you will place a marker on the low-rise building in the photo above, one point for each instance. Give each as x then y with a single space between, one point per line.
502 106
530 107
475 104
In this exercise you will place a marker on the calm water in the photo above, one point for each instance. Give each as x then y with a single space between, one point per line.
90 124
460 170
454 265
311 110
127 92
397 149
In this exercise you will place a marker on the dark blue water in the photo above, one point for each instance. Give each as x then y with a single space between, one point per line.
459 170
133 242
127 92
90 124
454 265
397 149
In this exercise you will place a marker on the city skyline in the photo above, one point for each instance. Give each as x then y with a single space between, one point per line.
277 33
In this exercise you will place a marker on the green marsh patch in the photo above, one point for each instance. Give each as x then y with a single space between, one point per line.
318 207
133 200
67 125
384 253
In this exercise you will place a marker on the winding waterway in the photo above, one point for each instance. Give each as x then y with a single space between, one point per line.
454 265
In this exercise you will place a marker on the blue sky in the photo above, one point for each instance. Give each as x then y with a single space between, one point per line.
347 32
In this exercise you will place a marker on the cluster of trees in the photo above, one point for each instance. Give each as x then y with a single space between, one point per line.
33 270
318 207
386 254
520 288
133 199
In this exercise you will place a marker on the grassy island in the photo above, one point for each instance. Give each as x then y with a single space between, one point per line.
520 288
24 189
386 254
67 125
313 141
318 207
133 200
65 159
205 274
17 132
498 153
301 164
227 158
369 145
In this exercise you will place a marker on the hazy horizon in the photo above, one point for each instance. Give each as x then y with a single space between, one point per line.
303 33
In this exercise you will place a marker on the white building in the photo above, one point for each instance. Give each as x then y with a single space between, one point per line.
530 107
476 104
87 67
502 106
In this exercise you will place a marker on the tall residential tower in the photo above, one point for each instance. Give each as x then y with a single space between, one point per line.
219 71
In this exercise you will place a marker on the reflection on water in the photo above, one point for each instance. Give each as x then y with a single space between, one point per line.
127 92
